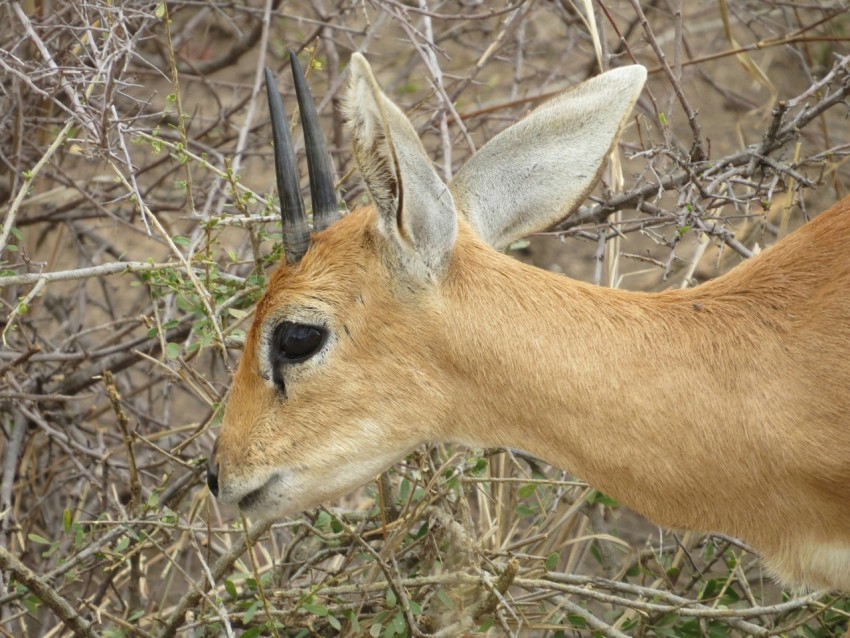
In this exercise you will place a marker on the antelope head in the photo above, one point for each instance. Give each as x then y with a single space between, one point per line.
366 343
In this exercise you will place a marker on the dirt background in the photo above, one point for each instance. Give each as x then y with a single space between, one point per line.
135 150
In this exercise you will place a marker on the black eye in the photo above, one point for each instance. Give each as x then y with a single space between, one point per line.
294 342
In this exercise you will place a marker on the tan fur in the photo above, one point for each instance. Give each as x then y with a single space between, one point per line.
724 408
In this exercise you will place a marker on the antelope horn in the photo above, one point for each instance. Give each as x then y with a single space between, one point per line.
322 193
296 233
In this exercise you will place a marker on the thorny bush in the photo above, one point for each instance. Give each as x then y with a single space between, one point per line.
138 227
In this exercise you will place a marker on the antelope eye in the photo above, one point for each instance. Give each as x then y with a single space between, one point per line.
295 342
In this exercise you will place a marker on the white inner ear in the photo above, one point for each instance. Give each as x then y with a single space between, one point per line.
373 147
415 207
538 171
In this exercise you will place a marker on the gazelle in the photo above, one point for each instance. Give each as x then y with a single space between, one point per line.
722 408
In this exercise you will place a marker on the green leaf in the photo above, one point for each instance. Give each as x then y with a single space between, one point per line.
333 622
352 620
594 551
375 630
159 12
404 490
398 624
604 499
251 611
316 610
230 588
66 520
552 561
253 632
181 241
577 621
523 511
527 490
172 350
323 520
35 538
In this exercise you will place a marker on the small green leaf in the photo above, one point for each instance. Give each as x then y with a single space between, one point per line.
662 118
390 598
230 588
159 12
333 622
352 620
398 623
35 538
552 561
404 490
316 610
66 520
527 490
251 611
577 621
375 630
172 350
487 625
323 520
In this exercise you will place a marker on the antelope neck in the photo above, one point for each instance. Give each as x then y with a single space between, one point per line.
621 388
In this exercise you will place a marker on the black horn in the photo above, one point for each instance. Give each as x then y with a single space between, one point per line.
319 165
296 233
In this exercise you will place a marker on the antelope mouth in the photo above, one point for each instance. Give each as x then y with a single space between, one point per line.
248 502
258 498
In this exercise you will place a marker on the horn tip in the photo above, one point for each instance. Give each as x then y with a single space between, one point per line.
293 60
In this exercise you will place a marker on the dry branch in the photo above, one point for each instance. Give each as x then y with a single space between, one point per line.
134 142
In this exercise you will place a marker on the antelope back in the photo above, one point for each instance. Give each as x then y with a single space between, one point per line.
349 363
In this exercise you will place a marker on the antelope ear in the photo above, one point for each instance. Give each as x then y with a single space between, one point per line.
416 213
539 170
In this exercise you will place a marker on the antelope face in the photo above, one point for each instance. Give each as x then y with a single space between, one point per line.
347 366
321 402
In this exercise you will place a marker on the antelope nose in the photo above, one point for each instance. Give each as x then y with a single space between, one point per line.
212 471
